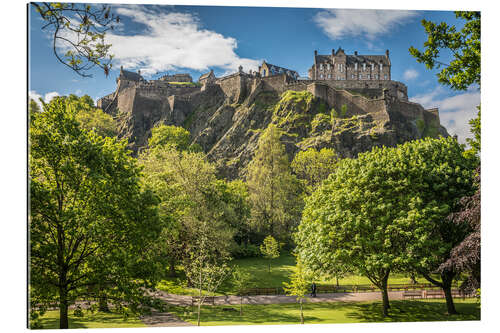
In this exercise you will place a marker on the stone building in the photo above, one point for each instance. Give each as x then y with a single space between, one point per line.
339 66
269 70
176 78
207 78
130 76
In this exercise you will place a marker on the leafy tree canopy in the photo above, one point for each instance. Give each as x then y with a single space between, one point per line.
90 223
274 192
178 137
78 34
464 47
381 211
314 166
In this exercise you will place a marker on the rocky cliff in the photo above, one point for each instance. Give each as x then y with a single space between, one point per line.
227 116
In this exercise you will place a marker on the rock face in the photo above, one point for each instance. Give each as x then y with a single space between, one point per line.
226 116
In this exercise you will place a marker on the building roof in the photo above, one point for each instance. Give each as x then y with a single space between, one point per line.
131 76
280 70
351 59
206 75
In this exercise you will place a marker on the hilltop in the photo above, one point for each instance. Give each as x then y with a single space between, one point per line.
226 115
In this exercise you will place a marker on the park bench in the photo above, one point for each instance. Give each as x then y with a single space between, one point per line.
262 291
208 300
412 294
434 294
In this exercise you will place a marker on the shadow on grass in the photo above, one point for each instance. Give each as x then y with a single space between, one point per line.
333 312
98 320
408 311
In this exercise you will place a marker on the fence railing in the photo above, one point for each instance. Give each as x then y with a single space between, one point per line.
321 289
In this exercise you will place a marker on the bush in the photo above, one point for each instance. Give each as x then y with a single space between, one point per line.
245 250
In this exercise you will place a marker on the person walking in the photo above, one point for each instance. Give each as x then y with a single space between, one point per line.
313 289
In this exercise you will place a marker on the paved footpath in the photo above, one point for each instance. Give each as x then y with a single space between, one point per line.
168 319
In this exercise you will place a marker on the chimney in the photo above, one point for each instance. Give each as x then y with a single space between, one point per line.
355 53
387 53
315 52
139 72
333 52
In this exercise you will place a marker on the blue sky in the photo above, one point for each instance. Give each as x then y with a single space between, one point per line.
157 39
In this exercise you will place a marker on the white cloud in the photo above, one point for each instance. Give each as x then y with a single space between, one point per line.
339 23
410 74
46 98
455 111
173 40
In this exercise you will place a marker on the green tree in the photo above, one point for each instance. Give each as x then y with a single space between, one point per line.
176 136
190 196
78 34
270 249
464 46
382 211
207 267
90 225
475 141
275 194
241 282
314 166
298 286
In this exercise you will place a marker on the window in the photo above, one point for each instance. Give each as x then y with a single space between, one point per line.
321 67
329 76
373 67
375 76
367 76
380 66
385 77
364 67
352 76
356 66
338 77
328 66
264 73
361 76
321 76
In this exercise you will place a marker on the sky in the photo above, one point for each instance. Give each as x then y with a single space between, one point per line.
194 39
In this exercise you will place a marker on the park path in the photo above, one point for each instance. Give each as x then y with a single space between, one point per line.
169 319
281 299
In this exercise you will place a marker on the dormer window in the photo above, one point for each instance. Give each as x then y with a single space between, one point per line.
381 66
364 67
373 67
320 67
356 66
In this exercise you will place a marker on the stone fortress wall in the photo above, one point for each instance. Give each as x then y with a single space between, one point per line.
382 99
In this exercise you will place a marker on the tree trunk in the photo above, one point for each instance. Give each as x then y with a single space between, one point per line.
301 313
199 310
337 278
447 278
63 308
269 266
241 305
385 295
171 269
103 303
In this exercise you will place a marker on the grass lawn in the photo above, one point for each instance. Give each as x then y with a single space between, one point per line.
281 269
335 312
50 320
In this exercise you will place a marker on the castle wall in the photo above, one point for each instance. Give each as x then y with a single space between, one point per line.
234 86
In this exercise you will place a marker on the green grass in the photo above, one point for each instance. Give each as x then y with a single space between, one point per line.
50 320
282 268
335 312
